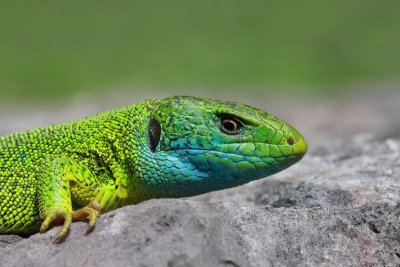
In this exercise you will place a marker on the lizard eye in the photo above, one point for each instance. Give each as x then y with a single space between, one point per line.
230 125
154 134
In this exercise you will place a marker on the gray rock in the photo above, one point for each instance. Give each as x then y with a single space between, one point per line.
339 207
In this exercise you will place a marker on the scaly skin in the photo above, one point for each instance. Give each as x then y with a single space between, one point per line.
173 147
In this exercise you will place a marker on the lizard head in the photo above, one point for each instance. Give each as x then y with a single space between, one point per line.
199 145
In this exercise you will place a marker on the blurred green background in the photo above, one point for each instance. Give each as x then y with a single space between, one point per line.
55 49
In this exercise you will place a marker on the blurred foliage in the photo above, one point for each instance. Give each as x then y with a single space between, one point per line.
56 48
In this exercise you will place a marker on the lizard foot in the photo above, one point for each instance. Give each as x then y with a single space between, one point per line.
91 212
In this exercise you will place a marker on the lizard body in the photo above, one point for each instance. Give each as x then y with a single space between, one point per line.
173 147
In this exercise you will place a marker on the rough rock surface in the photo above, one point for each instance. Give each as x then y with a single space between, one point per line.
339 207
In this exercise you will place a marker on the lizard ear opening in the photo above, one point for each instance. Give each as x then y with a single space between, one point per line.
154 134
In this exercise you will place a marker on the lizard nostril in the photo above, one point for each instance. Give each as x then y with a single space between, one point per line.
290 141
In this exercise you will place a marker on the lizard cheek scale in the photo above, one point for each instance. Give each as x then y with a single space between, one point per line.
173 147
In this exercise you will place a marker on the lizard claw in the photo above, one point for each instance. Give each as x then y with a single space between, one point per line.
56 218
91 212
65 228
47 222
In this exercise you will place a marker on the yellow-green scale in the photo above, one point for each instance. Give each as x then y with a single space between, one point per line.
97 145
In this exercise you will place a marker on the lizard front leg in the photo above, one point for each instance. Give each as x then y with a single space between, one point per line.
62 180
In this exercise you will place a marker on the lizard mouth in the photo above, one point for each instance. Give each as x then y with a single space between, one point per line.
194 151
298 149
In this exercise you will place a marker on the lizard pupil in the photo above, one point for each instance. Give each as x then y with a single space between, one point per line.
154 134
230 125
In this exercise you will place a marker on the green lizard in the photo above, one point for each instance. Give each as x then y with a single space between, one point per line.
173 147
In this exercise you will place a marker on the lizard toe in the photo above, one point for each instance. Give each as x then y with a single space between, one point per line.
65 228
88 213
57 218
91 212
47 222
